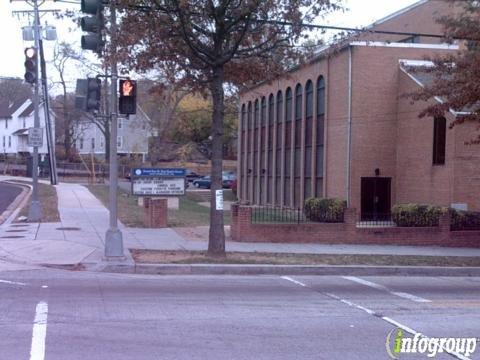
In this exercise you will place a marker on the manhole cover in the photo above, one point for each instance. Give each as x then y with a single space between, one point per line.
68 228
12 237
9 231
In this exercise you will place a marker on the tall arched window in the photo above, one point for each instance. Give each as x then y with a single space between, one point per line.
271 108
278 149
320 136
249 151
298 144
256 120
243 153
288 144
263 139
308 138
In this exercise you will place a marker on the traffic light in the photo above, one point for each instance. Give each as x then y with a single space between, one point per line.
31 67
93 25
88 94
94 87
127 103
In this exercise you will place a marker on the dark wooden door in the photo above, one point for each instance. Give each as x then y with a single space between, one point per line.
376 198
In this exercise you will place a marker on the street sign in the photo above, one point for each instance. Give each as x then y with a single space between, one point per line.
158 181
35 137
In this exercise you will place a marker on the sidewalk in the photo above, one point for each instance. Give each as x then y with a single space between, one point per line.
79 238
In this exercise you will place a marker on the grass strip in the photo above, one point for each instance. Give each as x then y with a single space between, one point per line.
201 257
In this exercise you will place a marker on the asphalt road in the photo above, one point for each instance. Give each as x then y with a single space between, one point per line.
8 193
57 315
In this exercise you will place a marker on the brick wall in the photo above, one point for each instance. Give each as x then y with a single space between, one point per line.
243 230
155 213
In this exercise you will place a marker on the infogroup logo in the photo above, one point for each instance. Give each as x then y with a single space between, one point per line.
397 344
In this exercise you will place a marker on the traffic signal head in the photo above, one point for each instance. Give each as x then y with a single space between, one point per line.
94 87
127 103
93 25
91 6
31 68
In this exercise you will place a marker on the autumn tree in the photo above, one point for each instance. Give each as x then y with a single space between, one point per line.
211 43
457 76
159 98
12 89
193 123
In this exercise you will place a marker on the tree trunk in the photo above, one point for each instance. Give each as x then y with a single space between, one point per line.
216 242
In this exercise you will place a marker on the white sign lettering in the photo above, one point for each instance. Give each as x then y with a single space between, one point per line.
158 186
219 199
35 137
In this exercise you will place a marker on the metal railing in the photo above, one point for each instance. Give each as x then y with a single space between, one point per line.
283 215
375 220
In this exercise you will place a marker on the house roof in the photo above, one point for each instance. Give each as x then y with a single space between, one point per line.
20 132
417 71
7 108
27 112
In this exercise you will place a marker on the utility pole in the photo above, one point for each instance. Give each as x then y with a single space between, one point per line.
113 238
34 33
35 211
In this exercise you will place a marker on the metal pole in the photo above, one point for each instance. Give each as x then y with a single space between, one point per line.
113 238
35 211
48 124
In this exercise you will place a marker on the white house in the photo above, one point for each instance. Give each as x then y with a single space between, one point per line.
15 119
132 139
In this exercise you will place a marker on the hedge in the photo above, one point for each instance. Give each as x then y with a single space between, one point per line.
417 215
464 220
325 210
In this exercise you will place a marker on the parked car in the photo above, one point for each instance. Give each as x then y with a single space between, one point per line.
192 175
227 180
203 182
234 187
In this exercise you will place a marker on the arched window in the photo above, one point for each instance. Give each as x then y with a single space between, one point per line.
263 139
256 119
320 136
308 138
243 153
249 151
288 144
271 108
279 144
298 144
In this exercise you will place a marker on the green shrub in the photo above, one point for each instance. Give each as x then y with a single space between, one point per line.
416 215
464 220
325 210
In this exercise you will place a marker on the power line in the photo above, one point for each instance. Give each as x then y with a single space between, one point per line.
366 30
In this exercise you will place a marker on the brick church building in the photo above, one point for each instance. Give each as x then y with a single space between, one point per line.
340 127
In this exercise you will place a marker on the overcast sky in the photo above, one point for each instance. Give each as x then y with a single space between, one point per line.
360 13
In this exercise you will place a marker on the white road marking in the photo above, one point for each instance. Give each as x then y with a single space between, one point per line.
293 280
373 313
44 286
12 282
39 333
384 288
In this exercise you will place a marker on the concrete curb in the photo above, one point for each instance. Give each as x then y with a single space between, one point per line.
229 269
11 212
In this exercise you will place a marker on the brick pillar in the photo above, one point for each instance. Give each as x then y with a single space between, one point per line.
244 223
159 217
350 220
234 222
146 212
